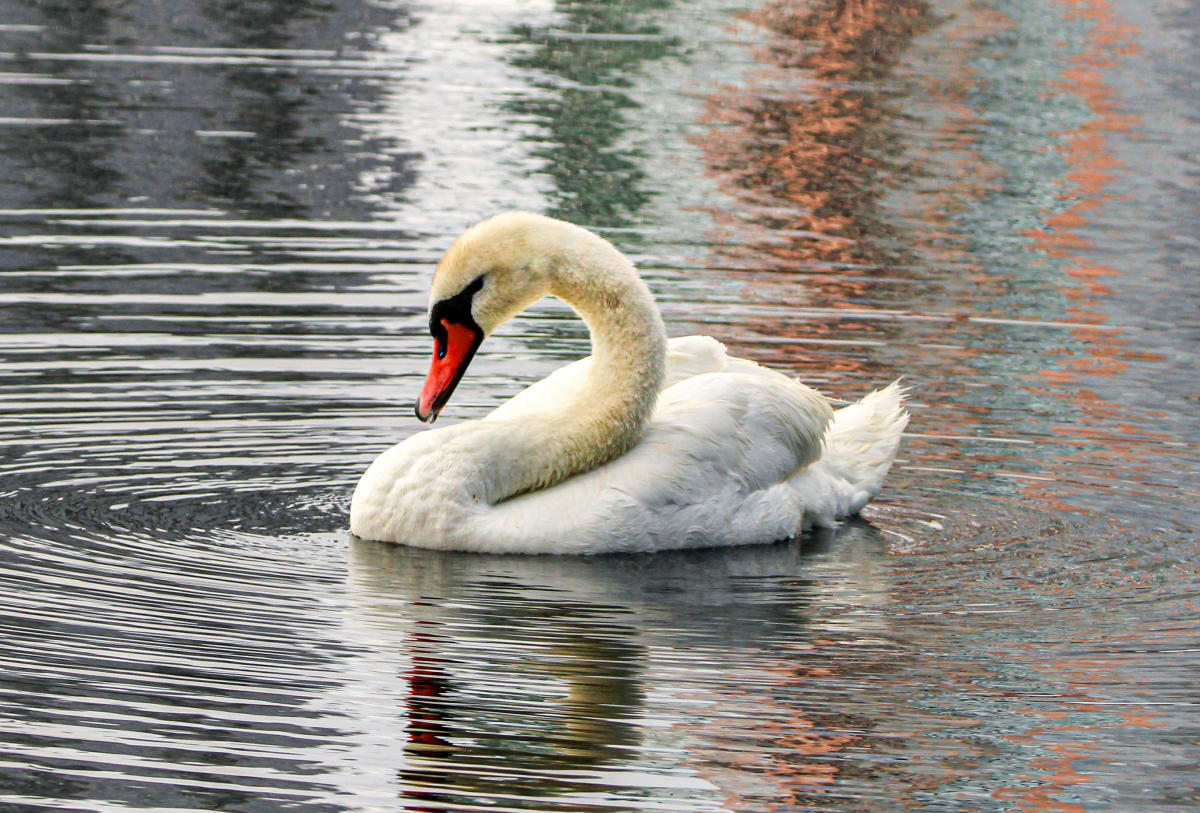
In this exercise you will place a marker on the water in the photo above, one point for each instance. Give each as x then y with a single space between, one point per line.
218 225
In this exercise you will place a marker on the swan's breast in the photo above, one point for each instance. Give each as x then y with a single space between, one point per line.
419 490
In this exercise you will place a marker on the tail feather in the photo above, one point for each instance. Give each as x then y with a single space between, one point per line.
860 445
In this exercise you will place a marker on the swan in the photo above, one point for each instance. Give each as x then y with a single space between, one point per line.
647 444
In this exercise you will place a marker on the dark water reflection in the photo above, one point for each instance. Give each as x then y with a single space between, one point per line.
584 62
596 644
218 224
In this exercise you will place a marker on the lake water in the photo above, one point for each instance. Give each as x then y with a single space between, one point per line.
218 221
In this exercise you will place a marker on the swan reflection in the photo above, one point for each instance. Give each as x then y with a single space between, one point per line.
561 679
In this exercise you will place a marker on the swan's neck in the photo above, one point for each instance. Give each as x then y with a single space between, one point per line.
607 415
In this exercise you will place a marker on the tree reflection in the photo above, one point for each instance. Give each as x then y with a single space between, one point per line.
277 123
584 66
67 141
178 104
58 150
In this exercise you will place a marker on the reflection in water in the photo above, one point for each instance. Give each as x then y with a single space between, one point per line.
1104 432
459 752
64 147
277 124
590 640
1048 130
197 365
62 130
809 155
1095 433
839 154
261 125
474 669
585 62
808 147
226 105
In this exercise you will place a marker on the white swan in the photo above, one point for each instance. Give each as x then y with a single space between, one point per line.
647 444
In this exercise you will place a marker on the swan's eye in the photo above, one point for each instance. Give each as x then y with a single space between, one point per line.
440 339
456 310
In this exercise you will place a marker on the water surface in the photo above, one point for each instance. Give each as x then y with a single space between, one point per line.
219 222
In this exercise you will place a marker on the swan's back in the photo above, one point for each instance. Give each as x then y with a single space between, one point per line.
711 468
687 356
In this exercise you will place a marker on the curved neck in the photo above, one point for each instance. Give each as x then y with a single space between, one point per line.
607 415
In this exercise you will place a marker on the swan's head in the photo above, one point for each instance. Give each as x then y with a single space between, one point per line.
491 273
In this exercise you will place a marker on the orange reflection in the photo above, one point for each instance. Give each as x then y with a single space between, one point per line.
829 183
1109 437
804 152
806 148
810 149
1048 787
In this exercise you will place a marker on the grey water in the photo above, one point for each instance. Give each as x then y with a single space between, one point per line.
218 220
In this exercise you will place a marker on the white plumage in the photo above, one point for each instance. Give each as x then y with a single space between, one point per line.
646 445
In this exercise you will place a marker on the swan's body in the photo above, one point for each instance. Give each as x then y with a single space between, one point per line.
645 445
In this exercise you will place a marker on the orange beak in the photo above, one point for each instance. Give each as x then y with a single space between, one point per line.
454 347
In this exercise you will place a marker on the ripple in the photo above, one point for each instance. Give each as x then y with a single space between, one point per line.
215 251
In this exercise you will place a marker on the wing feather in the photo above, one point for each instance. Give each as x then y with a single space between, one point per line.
717 443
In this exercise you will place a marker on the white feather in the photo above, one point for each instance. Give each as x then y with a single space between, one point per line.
724 452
